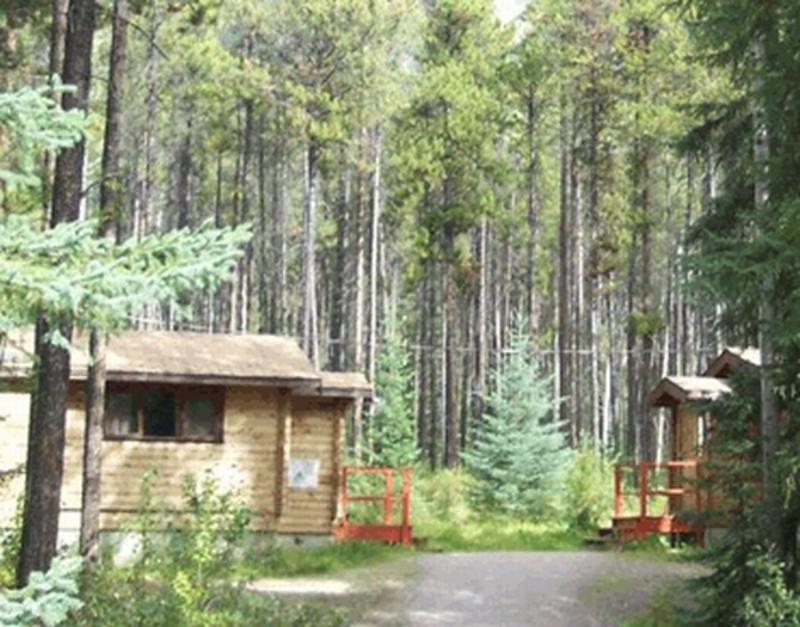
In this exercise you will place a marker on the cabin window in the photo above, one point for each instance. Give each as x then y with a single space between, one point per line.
149 412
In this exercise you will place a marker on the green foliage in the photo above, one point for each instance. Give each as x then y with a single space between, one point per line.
748 584
47 599
482 532
442 495
520 452
752 586
9 547
588 494
31 123
294 562
444 162
67 271
394 431
181 576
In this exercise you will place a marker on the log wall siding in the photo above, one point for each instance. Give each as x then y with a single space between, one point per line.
314 432
687 444
14 411
250 460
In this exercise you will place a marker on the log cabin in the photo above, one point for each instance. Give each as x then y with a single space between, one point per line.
248 410
676 480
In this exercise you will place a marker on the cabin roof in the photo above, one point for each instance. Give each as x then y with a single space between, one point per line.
199 358
339 385
677 390
731 358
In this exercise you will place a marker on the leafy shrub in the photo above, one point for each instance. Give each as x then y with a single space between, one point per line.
180 582
769 602
588 489
753 593
444 495
10 546
47 599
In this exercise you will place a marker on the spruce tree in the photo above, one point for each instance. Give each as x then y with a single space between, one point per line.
395 434
520 452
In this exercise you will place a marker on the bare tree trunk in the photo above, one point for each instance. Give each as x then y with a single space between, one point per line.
45 459
373 251
563 278
577 260
310 340
110 205
452 422
632 432
480 322
339 293
278 245
533 305
770 413
56 67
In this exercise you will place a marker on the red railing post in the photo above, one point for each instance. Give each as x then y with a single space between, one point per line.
405 531
643 472
619 498
697 480
342 514
388 497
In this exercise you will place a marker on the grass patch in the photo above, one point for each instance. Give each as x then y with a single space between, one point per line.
496 534
657 547
297 562
667 609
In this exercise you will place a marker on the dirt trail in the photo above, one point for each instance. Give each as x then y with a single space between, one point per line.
547 589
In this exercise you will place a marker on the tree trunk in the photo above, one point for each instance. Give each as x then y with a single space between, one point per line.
310 340
45 460
770 413
374 270
533 305
563 282
110 205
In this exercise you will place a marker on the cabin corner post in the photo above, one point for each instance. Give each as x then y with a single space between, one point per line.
283 453
340 481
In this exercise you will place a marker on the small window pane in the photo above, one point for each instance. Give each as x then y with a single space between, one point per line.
121 418
201 416
159 414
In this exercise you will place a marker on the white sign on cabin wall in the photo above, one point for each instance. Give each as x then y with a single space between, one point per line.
304 473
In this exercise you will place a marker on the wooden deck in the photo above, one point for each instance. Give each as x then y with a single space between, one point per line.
682 495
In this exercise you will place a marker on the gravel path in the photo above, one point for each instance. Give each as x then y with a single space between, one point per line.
547 589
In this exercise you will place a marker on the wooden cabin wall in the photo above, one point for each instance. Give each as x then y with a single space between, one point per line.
686 449
251 460
316 434
14 413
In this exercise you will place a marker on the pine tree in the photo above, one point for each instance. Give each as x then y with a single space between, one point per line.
520 452
394 437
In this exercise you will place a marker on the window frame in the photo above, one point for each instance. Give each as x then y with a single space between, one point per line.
181 394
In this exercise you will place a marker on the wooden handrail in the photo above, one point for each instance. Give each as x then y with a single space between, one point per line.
643 470
387 531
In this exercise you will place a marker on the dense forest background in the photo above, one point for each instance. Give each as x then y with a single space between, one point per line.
424 171
587 196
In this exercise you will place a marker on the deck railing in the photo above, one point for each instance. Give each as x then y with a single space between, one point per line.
390 531
645 471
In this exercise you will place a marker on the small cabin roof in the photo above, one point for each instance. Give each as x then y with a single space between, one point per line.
184 357
732 358
677 390
339 385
